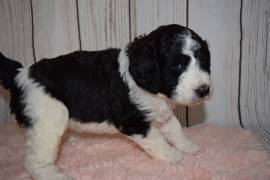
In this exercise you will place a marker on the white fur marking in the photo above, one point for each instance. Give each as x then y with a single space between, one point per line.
192 78
49 117
157 146
173 132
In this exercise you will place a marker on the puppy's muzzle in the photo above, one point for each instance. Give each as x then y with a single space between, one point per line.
203 91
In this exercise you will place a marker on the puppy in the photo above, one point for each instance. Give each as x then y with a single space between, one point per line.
108 91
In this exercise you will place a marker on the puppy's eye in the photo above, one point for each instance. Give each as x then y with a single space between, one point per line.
198 53
177 67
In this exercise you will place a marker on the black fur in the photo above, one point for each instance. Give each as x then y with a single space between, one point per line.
90 85
144 66
8 71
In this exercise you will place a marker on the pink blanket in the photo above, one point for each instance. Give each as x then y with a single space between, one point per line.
226 154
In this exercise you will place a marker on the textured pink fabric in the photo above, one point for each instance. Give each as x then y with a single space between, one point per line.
227 153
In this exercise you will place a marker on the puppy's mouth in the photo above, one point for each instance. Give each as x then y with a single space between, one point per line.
191 101
186 101
196 102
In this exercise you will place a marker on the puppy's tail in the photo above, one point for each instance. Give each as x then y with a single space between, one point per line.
8 71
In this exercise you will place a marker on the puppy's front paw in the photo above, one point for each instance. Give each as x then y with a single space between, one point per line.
61 176
190 147
172 155
50 172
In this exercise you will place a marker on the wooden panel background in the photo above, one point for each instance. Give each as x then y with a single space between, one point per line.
237 32
55 29
103 23
220 26
255 67
15 41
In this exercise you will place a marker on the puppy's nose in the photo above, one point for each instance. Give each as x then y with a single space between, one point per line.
203 90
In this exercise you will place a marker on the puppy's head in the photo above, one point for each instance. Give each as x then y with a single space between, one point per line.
174 61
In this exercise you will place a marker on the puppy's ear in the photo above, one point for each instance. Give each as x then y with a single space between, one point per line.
143 64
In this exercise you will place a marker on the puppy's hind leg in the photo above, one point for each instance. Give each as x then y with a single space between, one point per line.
50 118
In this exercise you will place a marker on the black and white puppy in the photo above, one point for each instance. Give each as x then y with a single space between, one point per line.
128 91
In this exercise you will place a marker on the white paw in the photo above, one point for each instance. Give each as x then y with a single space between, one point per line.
172 155
189 147
60 176
50 172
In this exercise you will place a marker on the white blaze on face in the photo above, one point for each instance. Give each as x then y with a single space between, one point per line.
193 77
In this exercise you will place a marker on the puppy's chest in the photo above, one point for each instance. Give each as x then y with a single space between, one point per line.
160 110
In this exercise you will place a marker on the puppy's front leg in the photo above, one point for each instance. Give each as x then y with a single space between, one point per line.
173 132
156 146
